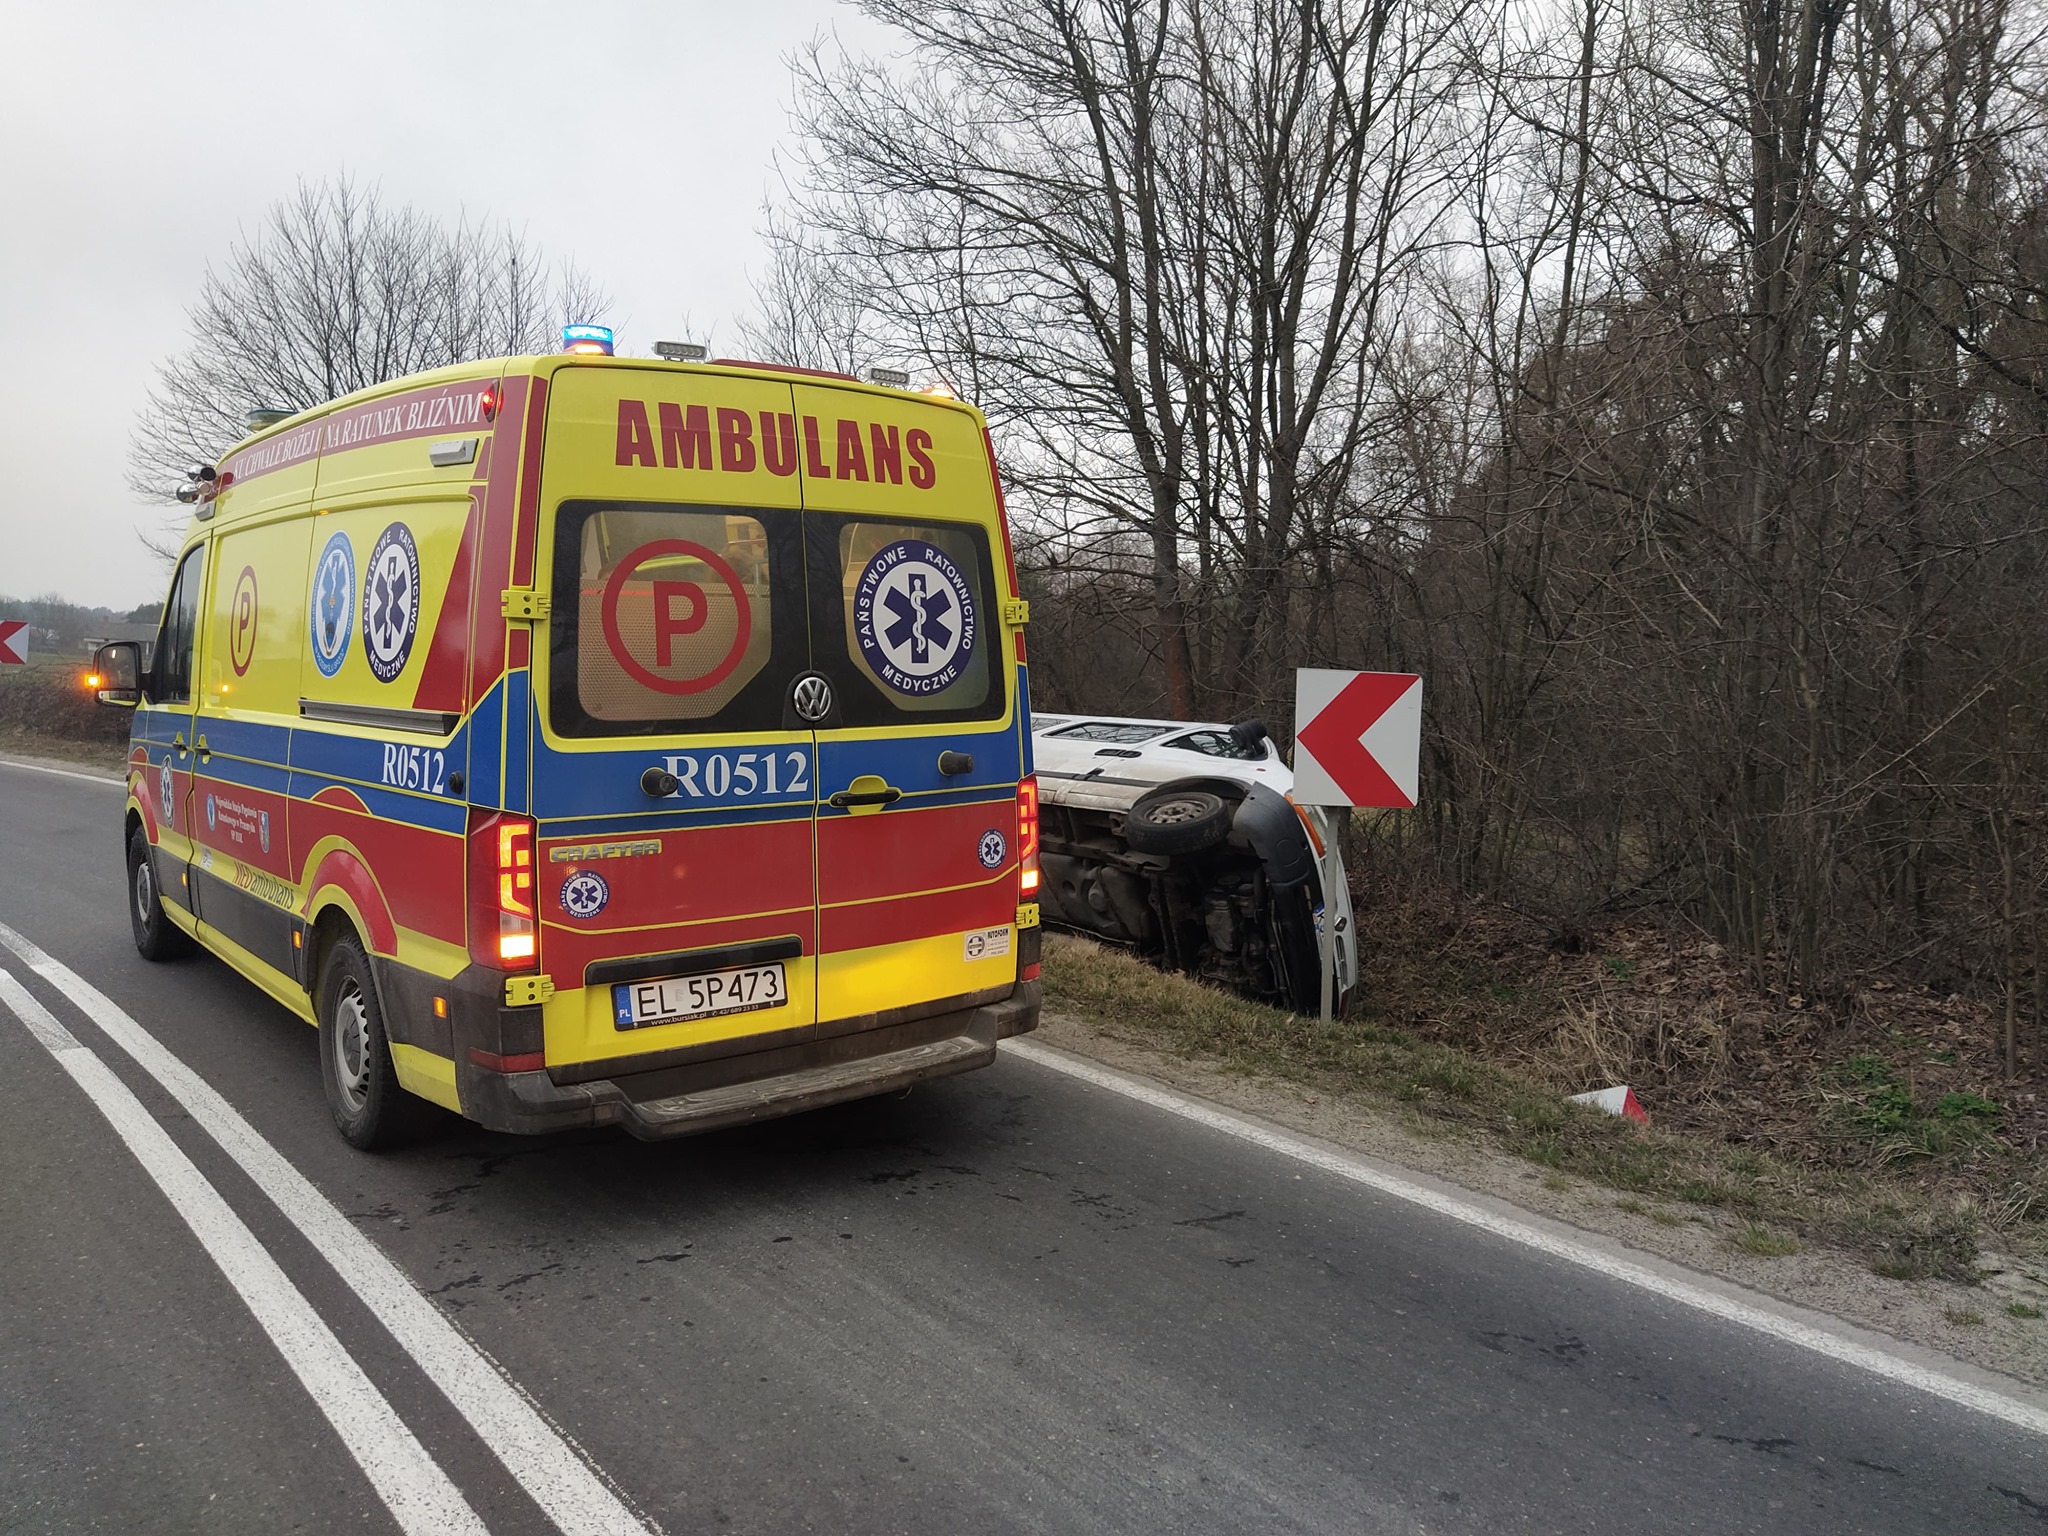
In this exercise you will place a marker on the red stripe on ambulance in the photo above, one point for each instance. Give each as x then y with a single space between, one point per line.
494 550
442 680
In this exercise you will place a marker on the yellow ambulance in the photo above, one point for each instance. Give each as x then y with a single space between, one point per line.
578 740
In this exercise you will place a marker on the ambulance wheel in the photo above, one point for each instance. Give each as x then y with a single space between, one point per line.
1172 820
370 1109
155 934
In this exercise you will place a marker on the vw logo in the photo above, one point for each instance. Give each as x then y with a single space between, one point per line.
813 698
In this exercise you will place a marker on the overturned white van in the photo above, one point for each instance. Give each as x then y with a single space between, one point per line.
1179 841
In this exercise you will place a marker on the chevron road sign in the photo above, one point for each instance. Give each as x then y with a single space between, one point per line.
1357 737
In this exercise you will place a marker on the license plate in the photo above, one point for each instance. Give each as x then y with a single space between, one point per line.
707 995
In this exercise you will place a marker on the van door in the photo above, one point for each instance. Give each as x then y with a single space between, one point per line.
919 762
673 784
164 728
246 705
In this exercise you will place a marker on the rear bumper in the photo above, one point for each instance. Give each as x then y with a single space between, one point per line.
751 1085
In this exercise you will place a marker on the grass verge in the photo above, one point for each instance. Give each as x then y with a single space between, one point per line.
17 741
1902 1228
46 712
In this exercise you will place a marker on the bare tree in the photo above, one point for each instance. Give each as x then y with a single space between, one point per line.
1156 239
336 292
808 309
1667 380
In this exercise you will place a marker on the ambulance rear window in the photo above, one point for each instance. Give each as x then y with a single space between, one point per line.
922 640
664 619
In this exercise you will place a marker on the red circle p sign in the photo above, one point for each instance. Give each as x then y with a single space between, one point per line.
652 621
242 621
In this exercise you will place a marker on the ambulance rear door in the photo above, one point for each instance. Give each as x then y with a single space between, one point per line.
919 757
673 787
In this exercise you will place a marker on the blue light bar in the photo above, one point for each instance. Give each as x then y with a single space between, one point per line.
587 338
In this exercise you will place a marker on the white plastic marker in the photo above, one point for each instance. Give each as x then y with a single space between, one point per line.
411 1483
546 1465
1778 1325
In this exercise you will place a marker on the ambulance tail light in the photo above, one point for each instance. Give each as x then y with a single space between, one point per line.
501 885
1027 837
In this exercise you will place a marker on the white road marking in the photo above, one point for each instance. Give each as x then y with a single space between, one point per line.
547 1465
1811 1333
63 773
418 1493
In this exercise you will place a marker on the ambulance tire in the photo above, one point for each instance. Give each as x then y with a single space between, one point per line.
156 936
370 1109
1178 819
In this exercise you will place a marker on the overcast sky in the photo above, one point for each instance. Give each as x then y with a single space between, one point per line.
136 140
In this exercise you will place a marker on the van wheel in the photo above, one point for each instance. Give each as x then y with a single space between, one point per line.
155 934
370 1109
1177 821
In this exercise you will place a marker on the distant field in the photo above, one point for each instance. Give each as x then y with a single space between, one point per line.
45 710
45 662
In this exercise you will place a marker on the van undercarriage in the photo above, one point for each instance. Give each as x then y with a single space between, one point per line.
1239 913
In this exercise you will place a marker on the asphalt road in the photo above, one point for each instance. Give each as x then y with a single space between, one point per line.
1005 1302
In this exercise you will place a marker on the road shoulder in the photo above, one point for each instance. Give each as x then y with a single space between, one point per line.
1932 1314
97 767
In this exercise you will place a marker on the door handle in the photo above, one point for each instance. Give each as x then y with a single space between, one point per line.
178 743
888 795
205 752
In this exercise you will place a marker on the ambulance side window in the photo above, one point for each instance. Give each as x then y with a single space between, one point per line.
171 667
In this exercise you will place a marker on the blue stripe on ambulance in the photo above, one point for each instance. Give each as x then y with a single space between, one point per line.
487 748
517 708
911 764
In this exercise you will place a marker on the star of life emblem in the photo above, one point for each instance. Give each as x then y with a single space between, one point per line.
914 616
391 602
584 894
333 614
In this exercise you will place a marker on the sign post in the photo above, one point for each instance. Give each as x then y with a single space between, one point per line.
1357 742
14 642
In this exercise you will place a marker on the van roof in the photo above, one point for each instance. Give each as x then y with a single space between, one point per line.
549 363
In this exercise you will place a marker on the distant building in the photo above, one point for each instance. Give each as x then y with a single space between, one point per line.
143 635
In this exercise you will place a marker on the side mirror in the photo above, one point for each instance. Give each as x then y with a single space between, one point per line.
117 674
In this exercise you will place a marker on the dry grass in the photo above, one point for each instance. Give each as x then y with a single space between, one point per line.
45 712
1764 1243
21 742
1901 1226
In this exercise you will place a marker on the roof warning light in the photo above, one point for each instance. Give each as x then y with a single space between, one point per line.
588 340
